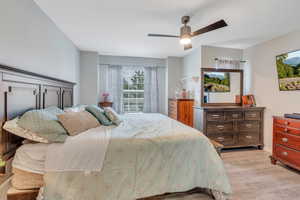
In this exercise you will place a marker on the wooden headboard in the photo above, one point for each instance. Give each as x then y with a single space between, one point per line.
21 91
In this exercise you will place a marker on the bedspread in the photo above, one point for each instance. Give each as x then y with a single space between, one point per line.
148 154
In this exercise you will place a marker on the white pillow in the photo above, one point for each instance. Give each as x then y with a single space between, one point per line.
78 108
13 127
112 115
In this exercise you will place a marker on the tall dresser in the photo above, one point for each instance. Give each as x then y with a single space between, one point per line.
286 141
233 126
182 110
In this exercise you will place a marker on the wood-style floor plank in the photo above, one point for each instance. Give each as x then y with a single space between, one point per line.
253 177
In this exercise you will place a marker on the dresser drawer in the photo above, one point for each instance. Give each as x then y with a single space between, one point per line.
288 155
285 129
234 115
215 116
225 139
249 126
288 140
173 115
219 127
287 122
252 115
248 138
173 103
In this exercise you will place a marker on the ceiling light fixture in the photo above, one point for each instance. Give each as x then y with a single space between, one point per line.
185 40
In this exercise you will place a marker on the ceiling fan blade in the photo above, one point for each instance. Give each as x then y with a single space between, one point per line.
214 26
188 46
162 35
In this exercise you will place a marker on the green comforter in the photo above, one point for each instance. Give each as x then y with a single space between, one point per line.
148 154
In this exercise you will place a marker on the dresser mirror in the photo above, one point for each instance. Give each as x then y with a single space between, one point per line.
221 87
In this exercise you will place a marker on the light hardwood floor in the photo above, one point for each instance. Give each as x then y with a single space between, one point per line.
254 178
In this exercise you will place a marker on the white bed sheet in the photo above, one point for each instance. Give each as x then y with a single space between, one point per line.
31 157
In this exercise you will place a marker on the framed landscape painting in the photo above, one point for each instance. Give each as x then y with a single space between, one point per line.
288 69
216 82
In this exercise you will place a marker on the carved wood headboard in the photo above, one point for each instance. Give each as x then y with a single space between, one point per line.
21 91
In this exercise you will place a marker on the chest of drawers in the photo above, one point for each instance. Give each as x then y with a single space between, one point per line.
182 110
233 126
286 141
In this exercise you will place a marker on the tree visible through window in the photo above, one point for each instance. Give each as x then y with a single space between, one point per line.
133 91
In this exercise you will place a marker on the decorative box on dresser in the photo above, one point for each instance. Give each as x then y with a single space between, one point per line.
286 141
233 126
182 110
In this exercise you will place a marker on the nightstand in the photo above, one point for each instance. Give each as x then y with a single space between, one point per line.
105 104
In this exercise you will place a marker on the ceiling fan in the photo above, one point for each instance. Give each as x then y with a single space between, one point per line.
186 33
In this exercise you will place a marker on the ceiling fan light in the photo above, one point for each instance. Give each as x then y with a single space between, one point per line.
185 40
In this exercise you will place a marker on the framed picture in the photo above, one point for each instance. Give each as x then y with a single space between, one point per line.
216 82
288 70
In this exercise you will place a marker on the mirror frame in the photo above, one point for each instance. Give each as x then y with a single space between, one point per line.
203 70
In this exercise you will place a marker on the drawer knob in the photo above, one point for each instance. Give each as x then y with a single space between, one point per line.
221 127
248 125
235 115
285 140
286 123
285 153
249 137
220 139
286 130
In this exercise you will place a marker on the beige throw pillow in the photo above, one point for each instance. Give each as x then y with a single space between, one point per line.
77 122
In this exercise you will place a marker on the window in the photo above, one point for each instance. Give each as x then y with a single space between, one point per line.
133 91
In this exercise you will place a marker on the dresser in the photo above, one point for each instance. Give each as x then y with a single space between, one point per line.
286 141
233 126
182 110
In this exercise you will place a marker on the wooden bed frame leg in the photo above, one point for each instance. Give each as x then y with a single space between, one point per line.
273 160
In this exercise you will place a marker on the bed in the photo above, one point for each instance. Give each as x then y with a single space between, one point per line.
146 155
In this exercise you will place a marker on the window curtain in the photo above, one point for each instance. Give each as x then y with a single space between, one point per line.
103 80
114 87
151 94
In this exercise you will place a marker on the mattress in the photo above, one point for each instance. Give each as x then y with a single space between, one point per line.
31 158
28 166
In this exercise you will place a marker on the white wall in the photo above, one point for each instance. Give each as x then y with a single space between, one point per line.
261 63
191 68
209 54
175 71
89 87
29 40
136 61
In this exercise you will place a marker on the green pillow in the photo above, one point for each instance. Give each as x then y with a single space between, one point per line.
99 114
44 124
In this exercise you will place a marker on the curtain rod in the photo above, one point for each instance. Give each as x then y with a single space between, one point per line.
134 65
242 61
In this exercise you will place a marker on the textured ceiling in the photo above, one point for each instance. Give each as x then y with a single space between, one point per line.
118 27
